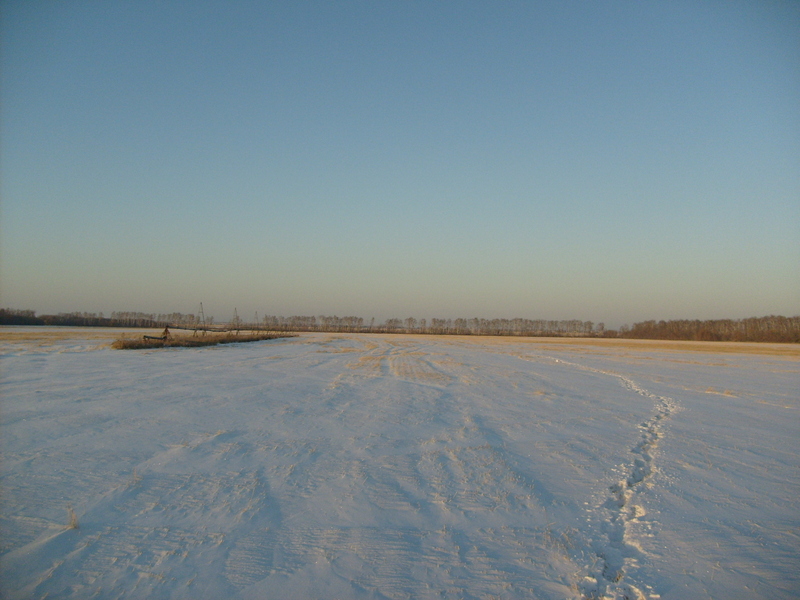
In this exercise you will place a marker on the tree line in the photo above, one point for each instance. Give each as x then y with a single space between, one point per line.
10 316
460 326
754 329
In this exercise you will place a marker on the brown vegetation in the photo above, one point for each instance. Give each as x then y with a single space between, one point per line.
144 342
619 346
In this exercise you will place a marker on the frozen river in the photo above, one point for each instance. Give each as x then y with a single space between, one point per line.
379 466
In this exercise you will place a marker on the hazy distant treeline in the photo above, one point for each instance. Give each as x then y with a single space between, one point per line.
10 316
475 326
755 329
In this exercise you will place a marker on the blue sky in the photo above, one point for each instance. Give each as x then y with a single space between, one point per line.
607 161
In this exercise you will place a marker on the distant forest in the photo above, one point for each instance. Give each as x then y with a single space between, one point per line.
755 329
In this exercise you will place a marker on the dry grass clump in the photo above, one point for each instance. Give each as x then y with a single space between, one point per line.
192 341
72 518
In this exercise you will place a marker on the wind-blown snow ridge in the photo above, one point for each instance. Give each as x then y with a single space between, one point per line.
616 552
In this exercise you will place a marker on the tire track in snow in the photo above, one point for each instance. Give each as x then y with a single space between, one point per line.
615 552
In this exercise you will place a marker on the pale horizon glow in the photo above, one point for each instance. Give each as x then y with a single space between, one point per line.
552 160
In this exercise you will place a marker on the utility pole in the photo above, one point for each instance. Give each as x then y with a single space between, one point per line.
202 321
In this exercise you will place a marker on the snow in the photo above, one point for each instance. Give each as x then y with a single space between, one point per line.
380 466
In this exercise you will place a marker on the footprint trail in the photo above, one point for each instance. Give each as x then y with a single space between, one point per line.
617 554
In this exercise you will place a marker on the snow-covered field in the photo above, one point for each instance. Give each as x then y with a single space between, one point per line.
336 466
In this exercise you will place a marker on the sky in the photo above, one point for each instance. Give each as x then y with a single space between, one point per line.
605 161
